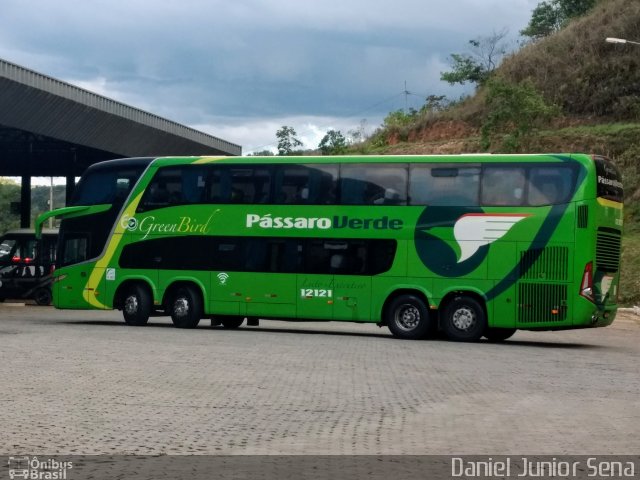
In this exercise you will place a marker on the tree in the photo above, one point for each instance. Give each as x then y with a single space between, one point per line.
515 111
287 140
358 135
552 15
477 66
9 192
333 143
261 153
435 103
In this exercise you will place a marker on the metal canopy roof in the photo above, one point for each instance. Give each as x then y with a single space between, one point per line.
50 128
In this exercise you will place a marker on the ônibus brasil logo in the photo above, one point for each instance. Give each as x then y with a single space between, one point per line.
269 221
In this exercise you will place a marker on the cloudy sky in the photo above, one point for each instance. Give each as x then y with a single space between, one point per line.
240 69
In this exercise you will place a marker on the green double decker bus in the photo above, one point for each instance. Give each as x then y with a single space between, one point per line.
468 245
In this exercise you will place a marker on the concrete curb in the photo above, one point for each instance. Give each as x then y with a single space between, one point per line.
634 310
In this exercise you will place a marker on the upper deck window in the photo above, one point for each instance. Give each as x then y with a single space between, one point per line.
441 185
175 186
503 186
362 184
550 185
305 184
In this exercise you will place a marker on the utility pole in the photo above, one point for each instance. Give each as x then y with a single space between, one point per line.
406 94
51 203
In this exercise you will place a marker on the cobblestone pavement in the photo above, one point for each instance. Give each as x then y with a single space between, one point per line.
84 383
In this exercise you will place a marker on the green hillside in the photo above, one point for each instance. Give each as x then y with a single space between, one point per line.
568 92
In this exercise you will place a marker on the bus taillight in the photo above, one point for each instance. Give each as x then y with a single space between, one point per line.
586 287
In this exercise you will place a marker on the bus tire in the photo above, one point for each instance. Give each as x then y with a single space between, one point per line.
42 296
499 334
232 322
137 305
186 308
407 317
463 319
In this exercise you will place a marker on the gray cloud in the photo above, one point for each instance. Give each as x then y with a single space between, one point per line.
199 61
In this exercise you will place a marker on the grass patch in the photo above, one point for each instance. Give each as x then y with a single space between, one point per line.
630 280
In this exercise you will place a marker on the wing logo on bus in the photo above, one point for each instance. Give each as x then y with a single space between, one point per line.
475 230
455 241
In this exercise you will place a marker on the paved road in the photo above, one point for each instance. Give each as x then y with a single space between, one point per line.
84 383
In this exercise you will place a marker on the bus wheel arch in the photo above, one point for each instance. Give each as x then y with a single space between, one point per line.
184 302
406 313
135 299
463 316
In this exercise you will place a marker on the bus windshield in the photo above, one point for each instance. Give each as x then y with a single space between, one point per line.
106 186
109 183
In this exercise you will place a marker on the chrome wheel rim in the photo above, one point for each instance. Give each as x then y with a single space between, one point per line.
407 317
131 305
181 307
464 318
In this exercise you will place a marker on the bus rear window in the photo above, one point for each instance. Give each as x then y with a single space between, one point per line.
608 180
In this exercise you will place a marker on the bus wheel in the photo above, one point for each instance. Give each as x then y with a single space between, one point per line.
232 322
407 317
136 307
42 296
499 334
464 319
186 308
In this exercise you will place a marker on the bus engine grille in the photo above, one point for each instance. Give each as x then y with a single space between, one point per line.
608 250
538 303
550 263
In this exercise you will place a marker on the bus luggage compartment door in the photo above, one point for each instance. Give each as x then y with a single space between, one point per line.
270 295
352 297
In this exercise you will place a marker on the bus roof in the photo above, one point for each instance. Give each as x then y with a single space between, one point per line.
372 159
462 158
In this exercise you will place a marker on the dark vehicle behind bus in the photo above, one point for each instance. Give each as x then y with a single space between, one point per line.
26 265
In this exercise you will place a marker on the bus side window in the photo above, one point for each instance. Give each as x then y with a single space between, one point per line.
444 186
163 190
250 184
503 186
323 184
76 249
549 185
291 184
184 185
219 190
374 185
